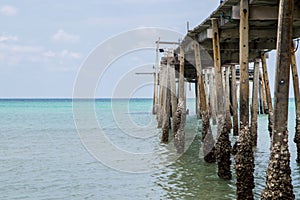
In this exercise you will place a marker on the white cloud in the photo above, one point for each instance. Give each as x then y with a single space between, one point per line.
6 38
13 54
64 54
8 10
62 36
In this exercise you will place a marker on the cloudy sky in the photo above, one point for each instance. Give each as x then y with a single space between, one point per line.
43 44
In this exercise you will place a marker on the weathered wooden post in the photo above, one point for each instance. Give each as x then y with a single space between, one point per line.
262 95
161 92
198 107
268 91
254 108
223 145
180 115
208 142
279 182
297 102
227 100
155 92
166 105
244 159
234 101
212 96
172 74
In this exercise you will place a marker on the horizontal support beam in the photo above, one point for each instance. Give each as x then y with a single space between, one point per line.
263 12
230 34
234 45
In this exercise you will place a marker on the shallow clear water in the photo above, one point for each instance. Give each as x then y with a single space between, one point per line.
42 156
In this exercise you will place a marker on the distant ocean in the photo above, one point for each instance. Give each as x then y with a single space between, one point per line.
42 156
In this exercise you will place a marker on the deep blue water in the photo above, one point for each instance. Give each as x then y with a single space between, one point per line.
42 155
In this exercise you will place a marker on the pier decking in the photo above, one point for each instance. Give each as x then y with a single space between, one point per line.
215 55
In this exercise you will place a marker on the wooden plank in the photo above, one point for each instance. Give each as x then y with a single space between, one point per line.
279 183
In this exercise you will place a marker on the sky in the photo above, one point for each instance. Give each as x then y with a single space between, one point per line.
44 45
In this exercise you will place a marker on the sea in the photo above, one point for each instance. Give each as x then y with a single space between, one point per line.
60 149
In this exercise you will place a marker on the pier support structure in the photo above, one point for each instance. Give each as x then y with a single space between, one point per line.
207 140
165 111
234 101
268 91
297 101
254 108
155 92
223 145
178 128
279 182
244 159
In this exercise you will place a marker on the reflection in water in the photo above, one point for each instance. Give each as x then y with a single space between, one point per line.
190 177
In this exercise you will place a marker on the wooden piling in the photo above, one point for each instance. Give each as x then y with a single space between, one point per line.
297 101
161 92
198 107
268 92
262 95
181 108
227 100
155 92
234 101
166 106
174 101
279 182
244 158
223 145
212 96
207 137
254 108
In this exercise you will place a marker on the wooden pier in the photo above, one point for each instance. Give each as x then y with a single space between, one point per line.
215 56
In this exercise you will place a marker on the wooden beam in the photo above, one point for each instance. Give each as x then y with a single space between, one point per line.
260 33
259 12
278 183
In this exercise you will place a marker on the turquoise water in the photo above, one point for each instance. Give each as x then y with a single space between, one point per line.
42 155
